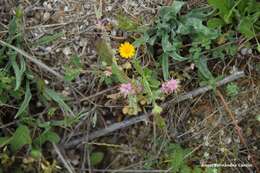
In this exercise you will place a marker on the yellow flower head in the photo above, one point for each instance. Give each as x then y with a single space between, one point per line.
126 50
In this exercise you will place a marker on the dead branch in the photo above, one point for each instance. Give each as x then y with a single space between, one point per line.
116 126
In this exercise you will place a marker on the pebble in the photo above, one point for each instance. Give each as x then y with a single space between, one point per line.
246 51
46 16
66 51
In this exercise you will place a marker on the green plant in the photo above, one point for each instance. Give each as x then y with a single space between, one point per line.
232 90
172 29
243 15
177 159
18 86
73 69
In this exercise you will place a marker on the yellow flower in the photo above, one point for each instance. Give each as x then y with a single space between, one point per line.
126 50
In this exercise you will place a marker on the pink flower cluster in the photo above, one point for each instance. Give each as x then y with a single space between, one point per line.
126 89
170 86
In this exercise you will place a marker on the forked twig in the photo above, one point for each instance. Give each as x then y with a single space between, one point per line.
80 140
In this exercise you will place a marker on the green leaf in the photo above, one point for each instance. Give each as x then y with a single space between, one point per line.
215 23
223 6
47 135
245 27
20 138
177 157
211 170
176 56
19 71
51 94
185 169
4 141
165 66
257 118
168 12
26 101
159 121
49 38
96 158
258 48
201 63
36 153
125 23
119 73
104 51
197 169
71 73
166 45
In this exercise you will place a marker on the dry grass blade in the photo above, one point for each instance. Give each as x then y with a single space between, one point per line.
66 164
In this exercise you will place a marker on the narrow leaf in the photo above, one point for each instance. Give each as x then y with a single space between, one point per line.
49 38
58 99
19 71
47 136
26 101
165 66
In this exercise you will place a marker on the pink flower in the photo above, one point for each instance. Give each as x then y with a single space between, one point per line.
126 89
170 86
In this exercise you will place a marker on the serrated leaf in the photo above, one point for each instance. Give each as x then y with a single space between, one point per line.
47 135
20 138
177 157
96 158
104 51
26 101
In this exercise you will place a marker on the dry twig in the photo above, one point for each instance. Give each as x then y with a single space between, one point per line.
80 140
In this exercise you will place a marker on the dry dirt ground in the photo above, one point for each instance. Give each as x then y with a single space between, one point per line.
201 124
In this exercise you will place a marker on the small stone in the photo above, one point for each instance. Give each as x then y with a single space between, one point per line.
228 140
246 51
66 8
66 51
46 16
